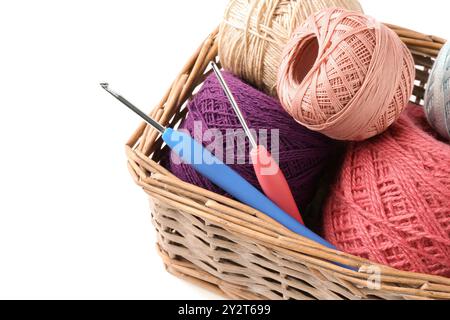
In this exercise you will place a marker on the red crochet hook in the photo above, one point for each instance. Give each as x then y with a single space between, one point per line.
270 177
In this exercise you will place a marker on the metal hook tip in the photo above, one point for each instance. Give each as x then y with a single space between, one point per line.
104 85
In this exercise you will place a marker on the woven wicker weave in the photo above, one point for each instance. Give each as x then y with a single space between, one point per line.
237 252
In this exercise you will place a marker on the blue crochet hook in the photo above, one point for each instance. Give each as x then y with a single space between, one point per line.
194 154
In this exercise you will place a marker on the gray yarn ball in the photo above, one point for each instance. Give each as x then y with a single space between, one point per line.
437 97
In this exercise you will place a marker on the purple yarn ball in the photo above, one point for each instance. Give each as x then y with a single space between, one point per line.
302 155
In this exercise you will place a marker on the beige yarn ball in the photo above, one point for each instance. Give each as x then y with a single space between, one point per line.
254 33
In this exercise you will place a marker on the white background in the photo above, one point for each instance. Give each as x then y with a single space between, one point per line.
72 223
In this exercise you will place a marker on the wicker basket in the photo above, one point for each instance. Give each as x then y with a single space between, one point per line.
239 253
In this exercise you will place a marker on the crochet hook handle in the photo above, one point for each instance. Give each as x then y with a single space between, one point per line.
194 154
273 182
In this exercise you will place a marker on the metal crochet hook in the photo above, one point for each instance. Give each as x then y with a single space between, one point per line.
220 174
141 114
270 177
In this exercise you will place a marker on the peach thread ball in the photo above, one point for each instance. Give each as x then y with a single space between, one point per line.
345 75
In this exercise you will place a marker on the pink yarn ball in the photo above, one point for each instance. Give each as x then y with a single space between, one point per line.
391 204
345 75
